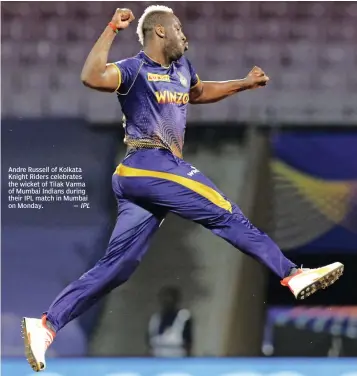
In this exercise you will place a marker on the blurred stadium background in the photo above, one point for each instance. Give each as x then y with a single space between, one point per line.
287 154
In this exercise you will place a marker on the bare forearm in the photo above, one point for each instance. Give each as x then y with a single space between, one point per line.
215 91
94 69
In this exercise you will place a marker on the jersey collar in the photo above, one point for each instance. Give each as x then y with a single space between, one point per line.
152 62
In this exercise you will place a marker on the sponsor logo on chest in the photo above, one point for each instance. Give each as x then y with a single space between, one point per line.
153 77
166 97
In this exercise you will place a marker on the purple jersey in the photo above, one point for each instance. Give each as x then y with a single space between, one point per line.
154 101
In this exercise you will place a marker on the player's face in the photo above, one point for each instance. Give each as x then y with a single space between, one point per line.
176 43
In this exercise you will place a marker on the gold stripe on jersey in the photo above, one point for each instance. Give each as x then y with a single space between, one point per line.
151 144
119 76
203 190
198 81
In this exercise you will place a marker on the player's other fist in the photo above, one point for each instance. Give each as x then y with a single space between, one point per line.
257 78
122 18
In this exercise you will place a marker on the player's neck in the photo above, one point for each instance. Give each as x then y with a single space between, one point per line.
157 56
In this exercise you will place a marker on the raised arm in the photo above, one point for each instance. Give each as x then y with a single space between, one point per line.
97 73
211 92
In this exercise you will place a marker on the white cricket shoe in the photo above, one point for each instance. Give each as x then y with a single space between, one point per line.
37 339
306 282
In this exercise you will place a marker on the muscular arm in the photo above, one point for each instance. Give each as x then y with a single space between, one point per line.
211 92
97 73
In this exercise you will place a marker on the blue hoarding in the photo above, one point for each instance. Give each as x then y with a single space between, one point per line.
187 367
315 178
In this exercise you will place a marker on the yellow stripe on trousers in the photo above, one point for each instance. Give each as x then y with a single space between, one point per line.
203 190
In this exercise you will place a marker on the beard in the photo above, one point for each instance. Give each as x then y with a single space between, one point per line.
175 51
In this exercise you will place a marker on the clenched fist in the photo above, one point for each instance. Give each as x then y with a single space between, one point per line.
257 78
122 18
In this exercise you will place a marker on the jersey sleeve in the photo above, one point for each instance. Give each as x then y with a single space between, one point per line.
127 72
195 80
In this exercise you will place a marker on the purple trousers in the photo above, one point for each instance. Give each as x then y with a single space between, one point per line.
149 184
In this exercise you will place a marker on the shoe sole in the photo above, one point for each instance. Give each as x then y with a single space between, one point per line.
323 282
37 367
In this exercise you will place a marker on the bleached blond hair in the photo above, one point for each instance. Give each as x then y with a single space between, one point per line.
149 10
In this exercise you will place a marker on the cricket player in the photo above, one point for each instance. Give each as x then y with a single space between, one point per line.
154 89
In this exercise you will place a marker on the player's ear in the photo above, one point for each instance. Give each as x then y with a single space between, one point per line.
160 31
